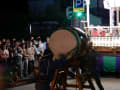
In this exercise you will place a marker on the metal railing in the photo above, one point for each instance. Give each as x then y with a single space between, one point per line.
106 41
103 37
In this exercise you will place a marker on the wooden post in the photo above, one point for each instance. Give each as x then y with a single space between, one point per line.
78 79
54 80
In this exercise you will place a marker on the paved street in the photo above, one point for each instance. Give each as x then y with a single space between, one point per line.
108 83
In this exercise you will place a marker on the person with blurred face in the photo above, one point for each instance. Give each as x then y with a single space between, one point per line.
45 44
18 55
23 41
4 54
36 49
47 68
88 64
40 47
31 57
25 60
3 40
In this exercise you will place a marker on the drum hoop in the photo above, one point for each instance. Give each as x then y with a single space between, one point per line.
76 36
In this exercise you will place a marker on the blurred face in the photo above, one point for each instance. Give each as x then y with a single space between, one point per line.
32 38
23 46
8 41
4 47
17 44
3 40
95 30
23 41
47 39
34 42
14 39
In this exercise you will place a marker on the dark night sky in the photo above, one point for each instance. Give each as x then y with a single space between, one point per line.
48 8
12 13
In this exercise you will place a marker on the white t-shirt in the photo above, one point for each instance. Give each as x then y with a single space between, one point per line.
41 48
30 53
5 52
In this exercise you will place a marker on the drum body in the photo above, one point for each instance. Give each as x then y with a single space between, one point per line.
69 42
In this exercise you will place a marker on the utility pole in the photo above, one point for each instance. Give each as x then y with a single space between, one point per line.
111 14
30 28
88 13
118 16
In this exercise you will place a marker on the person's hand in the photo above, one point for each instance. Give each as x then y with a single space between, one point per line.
57 57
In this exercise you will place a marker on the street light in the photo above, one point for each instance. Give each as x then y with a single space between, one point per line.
79 14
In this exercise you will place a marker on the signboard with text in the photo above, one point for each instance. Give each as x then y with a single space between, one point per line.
78 5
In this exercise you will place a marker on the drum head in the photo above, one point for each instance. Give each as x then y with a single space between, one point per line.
62 42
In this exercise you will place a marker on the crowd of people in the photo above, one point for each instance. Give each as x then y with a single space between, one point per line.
26 56
21 54
103 32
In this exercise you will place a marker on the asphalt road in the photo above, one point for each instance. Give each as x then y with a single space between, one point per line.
108 83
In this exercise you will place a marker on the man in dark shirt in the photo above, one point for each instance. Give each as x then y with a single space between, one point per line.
92 64
47 68
89 64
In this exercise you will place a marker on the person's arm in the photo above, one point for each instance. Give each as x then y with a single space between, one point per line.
33 51
25 54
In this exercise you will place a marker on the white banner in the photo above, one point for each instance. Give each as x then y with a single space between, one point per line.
111 3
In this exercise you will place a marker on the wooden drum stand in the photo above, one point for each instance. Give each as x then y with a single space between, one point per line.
60 79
